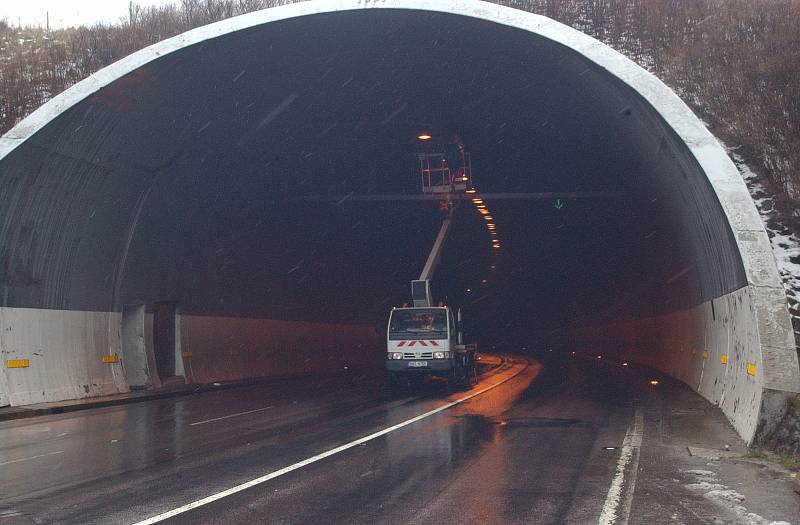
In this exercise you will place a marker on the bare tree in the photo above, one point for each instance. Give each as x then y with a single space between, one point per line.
735 61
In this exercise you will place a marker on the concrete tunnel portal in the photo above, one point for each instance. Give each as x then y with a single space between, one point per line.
166 201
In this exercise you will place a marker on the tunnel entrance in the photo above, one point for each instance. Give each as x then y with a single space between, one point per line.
193 168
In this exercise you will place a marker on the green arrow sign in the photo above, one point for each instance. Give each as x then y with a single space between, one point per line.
559 204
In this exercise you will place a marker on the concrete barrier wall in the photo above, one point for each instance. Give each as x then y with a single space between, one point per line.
226 348
65 350
714 348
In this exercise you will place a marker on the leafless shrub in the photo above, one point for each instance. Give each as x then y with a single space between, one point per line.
737 62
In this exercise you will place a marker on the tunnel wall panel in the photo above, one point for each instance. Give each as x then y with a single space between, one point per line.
713 347
228 348
65 352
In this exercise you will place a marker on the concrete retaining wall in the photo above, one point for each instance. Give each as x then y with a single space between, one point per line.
225 348
65 351
714 347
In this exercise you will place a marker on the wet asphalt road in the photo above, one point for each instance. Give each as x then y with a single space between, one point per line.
541 447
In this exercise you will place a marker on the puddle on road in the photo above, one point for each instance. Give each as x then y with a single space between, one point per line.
542 422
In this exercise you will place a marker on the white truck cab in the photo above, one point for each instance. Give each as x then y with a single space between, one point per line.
424 341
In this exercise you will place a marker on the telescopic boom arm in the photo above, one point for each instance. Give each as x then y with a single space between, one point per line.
421 288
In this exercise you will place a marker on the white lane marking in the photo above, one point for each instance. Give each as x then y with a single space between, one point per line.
630 454
318 457
30 458
229 416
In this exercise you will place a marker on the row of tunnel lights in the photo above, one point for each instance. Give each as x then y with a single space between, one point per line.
487 216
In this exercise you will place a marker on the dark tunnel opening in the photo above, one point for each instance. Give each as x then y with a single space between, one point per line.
226 146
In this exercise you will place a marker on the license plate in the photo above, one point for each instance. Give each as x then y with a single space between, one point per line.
417 364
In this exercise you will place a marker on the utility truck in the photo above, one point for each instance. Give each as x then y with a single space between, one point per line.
426 339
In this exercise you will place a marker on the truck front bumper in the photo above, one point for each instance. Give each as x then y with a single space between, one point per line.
431 365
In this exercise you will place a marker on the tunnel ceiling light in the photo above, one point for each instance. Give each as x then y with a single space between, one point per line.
477 200
470 191
625 363
488 217
424 136
654 382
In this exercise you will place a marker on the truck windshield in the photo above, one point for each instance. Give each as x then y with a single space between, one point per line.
418 323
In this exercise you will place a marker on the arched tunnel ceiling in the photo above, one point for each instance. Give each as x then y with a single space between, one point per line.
188 179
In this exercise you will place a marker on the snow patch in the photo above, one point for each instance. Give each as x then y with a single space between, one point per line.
727 498
785 244
703 473
705 485
724 495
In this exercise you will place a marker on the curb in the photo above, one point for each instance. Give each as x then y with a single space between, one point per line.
15 413
24 413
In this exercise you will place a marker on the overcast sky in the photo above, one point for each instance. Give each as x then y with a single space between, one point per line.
64 13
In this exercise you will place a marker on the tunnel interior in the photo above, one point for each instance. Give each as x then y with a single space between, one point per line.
193 179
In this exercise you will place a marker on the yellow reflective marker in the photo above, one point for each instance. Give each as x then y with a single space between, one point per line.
111 359
751 368
723 359
186 354
705 355
18 363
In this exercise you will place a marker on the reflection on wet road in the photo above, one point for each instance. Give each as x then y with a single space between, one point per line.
539 445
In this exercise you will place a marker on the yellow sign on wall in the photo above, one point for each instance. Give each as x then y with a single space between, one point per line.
705 355
751 368
186 354
18 363
723 359
111 358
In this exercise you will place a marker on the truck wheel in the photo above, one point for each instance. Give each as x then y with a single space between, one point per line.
452 381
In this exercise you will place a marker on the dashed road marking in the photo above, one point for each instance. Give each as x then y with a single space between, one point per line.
30 458
229 416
